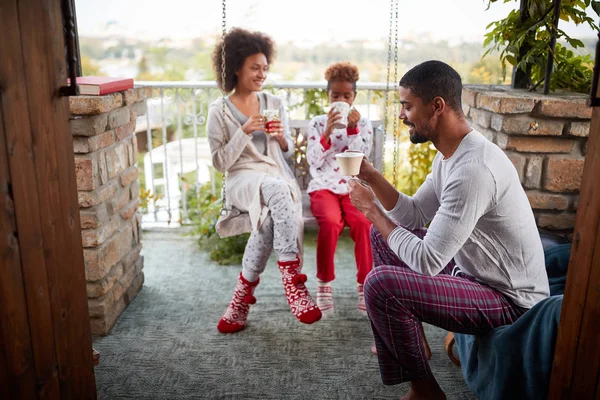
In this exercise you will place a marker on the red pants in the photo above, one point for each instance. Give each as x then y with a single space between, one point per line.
331 211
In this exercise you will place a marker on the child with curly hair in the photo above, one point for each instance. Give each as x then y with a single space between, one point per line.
328 189
262 195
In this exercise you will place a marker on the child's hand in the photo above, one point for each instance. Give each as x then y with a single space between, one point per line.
353 118
332 118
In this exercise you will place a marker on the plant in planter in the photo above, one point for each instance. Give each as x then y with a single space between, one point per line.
525 40
203 211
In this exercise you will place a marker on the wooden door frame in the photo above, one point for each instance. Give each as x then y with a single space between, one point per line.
44 321
576 366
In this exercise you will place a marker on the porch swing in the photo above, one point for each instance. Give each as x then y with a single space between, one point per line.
300 165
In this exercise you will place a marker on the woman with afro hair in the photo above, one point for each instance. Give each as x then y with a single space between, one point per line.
262 196
328 189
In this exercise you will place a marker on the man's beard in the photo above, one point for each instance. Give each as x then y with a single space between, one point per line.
417 138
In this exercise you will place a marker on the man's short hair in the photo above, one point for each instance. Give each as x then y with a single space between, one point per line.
432 79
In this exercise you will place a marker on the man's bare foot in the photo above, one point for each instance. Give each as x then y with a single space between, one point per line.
374 349
427 350
426 389
425 344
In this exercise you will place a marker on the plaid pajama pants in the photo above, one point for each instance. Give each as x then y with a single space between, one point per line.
399 299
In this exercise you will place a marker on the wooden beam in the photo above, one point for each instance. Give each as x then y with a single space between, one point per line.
587 359
55 167
17 369
576 366
16 111
74 346
44 322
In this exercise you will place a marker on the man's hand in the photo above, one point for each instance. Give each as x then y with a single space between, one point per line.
367 171
362 197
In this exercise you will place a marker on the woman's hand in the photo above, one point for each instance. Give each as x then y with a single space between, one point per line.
353 118
254 123
277 132
332 118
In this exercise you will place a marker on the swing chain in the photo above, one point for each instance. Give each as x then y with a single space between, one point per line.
387 86
396 103
223 76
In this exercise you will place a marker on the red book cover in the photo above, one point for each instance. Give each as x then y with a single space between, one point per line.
100 85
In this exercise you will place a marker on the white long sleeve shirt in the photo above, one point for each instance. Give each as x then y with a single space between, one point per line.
320 153
480 216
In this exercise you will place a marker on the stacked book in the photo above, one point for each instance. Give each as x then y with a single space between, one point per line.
101 85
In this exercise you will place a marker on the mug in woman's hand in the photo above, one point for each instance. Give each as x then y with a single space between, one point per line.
270 117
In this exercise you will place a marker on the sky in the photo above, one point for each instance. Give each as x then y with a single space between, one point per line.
305 21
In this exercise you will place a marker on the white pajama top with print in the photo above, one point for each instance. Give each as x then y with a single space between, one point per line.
320 153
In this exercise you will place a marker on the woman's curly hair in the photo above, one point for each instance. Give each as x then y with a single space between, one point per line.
341 72
239 44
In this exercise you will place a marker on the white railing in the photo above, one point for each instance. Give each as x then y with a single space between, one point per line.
176 154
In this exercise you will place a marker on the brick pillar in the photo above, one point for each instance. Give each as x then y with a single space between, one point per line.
546 139
105 150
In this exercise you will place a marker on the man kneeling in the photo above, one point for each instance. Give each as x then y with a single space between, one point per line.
479 265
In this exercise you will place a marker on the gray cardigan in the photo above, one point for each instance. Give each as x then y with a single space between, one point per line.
246 169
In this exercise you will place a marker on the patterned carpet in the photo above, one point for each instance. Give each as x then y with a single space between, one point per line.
166 345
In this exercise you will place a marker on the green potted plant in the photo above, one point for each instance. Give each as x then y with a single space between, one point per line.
525 38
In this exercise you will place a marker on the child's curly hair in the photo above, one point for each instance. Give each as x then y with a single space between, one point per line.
239 44
341 72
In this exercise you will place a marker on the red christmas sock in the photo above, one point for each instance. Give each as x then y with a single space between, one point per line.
302 305
362 308
325 298
234 319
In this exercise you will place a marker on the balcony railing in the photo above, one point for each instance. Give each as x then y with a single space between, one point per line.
174 151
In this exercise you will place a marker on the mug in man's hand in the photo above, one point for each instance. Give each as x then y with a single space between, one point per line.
349 162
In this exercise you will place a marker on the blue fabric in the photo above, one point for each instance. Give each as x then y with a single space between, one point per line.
515 361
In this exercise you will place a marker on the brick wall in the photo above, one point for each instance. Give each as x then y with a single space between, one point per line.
545 137
105 150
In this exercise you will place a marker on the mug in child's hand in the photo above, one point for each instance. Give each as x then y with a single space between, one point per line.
344 109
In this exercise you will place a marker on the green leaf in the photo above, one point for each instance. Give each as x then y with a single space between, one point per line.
576 43
596 7
512 60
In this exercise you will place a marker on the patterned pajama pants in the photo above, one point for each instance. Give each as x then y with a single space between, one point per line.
278 232
399 299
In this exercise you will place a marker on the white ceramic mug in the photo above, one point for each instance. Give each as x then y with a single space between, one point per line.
344 109
349 162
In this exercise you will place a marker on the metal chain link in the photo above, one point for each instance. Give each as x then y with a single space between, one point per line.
387 86
223 76
396 107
